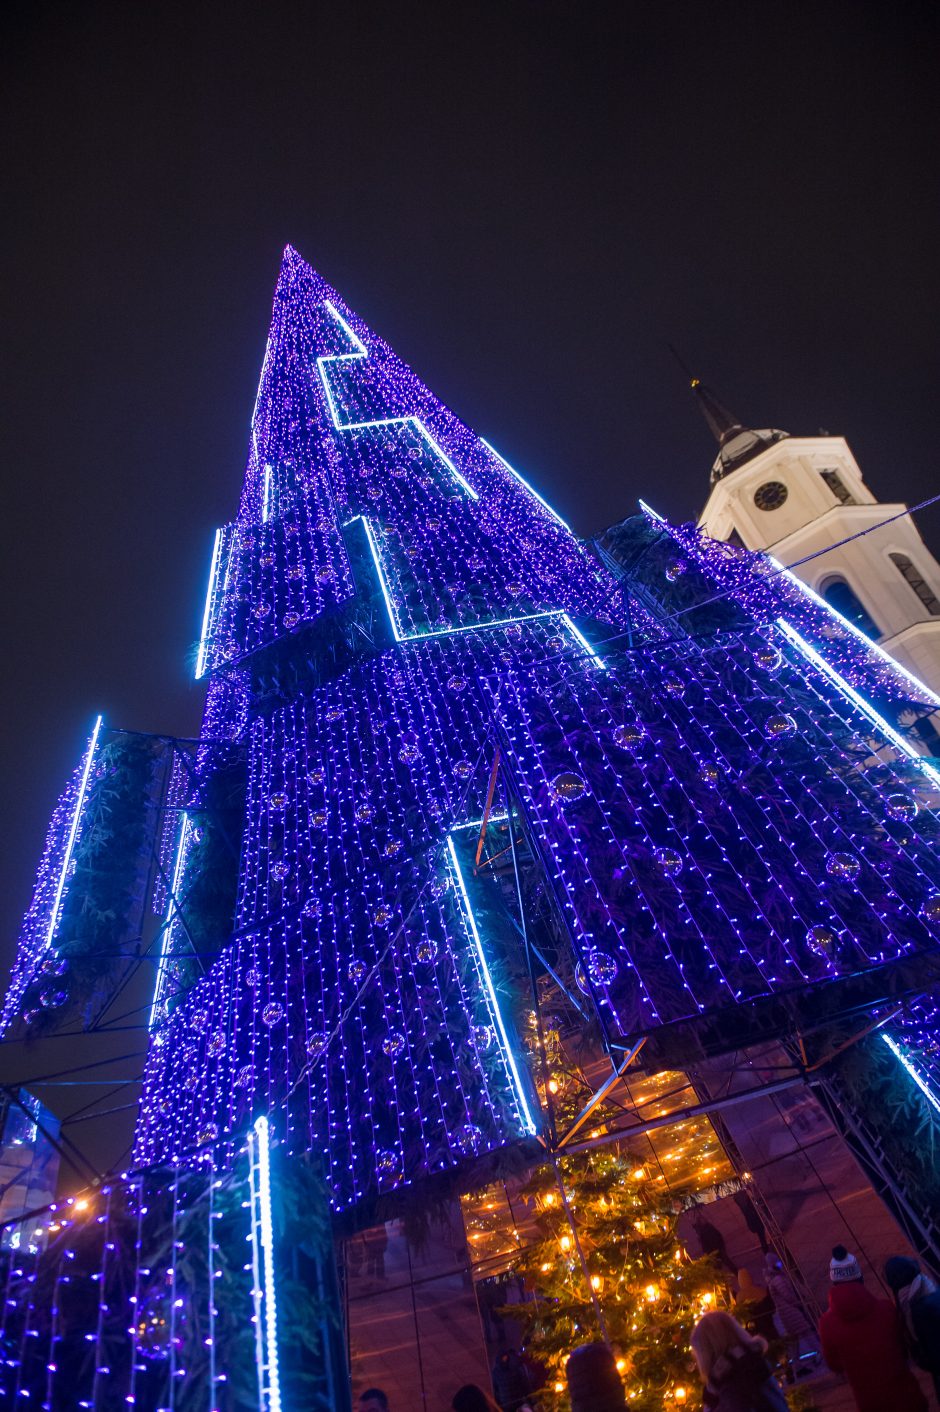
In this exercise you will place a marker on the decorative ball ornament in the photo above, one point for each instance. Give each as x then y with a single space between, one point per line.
291 619
313 907
393 847
253 978
482 1036
630 735
356 970
280 870
456 684
387 1166
199 1019
822 941
709 774
319 819
673 684
55 966
364 812
272 1014
245 1077
426 950
53 999
601 967
279 800
317 775
675 569
463 769
317 1043
780 726
668 861
216 1044
581 980
393 1044
262 610
930 909
768 657
568 788
206 1135
468 1139
382 916
844 867
902 807
409 753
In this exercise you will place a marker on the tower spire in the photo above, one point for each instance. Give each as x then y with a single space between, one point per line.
737 443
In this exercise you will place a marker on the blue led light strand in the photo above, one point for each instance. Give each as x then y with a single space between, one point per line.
73 832
529 1122
857 700
416 422
172 911
522 480
207 610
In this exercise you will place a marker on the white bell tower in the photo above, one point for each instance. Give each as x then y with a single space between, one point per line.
794 496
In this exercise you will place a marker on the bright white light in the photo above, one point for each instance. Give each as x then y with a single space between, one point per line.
576 633
528 1123
863 637
648 510
207 611
263 1133
266 498
416 422
172 911
73 832
530 488
918 1078
374 550
857 700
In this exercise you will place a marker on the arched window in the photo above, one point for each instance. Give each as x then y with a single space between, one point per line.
839 595
922 589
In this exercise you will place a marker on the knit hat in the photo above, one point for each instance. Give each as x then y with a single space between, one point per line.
843 1267
900 1271
593 1381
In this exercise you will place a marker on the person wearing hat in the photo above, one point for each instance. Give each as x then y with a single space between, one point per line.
918 1302
860 1337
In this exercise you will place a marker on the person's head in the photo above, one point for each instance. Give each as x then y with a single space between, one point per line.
471 1398
593 1381
772 1263
716 1334
747 1285
373 1400
900 1272
844 1269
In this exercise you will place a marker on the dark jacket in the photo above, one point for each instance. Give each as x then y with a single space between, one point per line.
742 1381
861 1338
924 1318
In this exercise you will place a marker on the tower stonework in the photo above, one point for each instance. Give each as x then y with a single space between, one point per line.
793 496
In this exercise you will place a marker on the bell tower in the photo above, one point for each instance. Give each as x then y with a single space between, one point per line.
794 496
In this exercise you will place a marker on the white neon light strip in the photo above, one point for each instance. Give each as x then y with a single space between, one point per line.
648 510
416 422
530 488
266 498
73 833
864 706
264 368
528 1122
207 611
463 627
862 637
915 1074
263 1132
171 912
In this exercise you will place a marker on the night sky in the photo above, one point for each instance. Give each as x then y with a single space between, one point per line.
530 201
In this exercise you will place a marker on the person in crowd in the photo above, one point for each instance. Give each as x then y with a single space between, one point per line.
511 1381
471 1398
734 1368
752 1218
792 1321
593 1381
918 1303
754 1306
373 1400
861 1338
712 1241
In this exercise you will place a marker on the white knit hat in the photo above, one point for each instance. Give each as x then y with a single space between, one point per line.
843 1267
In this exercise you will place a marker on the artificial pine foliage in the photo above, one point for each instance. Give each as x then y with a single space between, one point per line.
649 1292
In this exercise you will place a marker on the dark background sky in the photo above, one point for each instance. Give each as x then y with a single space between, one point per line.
528 200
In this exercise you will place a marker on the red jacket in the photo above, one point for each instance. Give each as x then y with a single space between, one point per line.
860 1337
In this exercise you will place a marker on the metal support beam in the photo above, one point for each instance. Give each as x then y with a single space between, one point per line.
599 1095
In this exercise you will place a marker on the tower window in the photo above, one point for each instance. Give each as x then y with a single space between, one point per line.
841 596
770 495
923 590
838 487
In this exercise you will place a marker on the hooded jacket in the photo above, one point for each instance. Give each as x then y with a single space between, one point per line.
860 1338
